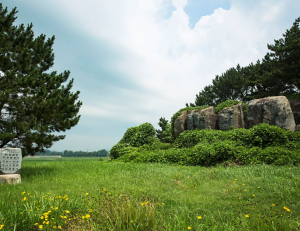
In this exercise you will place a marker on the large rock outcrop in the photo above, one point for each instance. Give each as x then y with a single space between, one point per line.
274 110
231 117
179 123
295 106
201 119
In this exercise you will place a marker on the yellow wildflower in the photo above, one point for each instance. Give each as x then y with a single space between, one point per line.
83 217
189 227
90 210
104 189
24 199
67 211
247 215
40 226
1 226
199 217
59 227
273 204
253 195
87 194
23 193
87 216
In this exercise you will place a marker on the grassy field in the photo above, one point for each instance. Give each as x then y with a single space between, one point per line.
88 194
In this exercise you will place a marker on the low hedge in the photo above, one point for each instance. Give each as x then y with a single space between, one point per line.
262 135
261 144
213 154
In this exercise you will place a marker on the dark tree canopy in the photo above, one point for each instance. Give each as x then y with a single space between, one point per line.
278 73
164 134
34 103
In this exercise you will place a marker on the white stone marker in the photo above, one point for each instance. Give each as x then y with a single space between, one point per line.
10 165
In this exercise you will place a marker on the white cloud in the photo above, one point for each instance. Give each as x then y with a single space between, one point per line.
166 56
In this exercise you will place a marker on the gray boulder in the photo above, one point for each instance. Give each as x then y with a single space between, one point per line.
201 119
295 106
179 123
231 117
274 110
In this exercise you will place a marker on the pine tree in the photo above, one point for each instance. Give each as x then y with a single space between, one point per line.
163 123
34 103
282 64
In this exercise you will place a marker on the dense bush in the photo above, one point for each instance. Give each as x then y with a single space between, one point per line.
134 137
229 103
261 144
264 135
279 156
190 138
120 149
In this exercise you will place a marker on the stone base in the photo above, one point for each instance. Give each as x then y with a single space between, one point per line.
10 179
297 128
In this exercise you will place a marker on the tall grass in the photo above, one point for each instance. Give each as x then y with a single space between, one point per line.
88 194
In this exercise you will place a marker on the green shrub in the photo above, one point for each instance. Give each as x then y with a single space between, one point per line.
262 143
279 156
202 154
240 136
246 156
129 156
224 151
190 138
264 135
178 113
151 156
292 146
138 136
160 146
129 134
134 137
121 149
230 103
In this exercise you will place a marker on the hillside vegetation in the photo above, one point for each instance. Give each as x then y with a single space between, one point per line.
262 143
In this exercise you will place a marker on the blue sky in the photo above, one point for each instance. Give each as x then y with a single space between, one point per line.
136 61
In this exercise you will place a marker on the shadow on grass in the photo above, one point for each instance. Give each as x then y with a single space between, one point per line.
28 172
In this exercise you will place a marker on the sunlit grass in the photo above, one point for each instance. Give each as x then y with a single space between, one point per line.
104 195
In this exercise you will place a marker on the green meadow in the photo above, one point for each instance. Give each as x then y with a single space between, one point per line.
88 194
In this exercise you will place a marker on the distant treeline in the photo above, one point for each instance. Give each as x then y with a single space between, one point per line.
69 153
